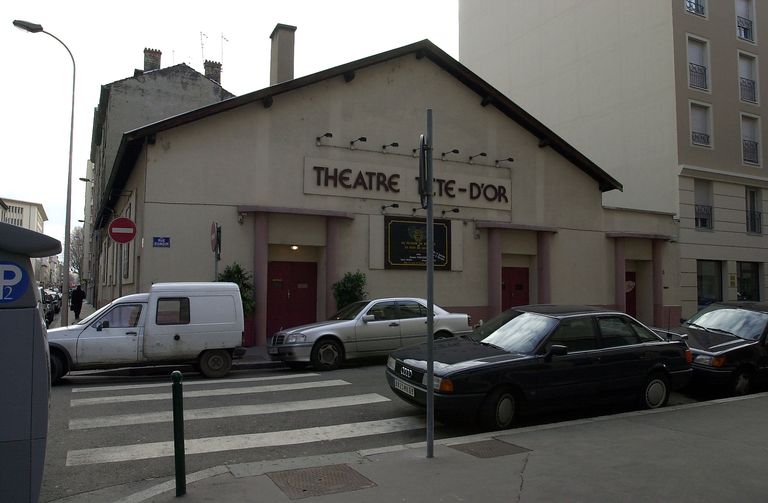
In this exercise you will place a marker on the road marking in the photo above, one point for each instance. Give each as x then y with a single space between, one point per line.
189 383
248 441
219 412
207 392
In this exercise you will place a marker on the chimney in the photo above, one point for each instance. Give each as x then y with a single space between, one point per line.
151 59
213 70
281 65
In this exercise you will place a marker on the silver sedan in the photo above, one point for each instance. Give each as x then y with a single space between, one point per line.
365 328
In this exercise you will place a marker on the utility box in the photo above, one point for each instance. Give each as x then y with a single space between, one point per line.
24 373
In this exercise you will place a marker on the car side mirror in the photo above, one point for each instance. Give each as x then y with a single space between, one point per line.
368 317
556 350
102 325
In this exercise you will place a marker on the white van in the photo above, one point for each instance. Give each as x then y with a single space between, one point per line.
198 323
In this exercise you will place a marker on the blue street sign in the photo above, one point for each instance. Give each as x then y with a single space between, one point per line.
161 242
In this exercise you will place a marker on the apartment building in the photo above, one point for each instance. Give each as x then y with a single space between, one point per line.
665 95
31 216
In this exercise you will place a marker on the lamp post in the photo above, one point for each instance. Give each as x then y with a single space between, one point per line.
36 28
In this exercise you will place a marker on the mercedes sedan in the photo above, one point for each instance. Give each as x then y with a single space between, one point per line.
542 355
361 329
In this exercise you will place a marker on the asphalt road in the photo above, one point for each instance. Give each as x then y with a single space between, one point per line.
109 429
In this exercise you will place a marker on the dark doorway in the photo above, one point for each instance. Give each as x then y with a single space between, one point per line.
514 287
291 295
630 287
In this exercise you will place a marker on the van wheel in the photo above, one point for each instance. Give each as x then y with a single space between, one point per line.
58 368
326 355
215 363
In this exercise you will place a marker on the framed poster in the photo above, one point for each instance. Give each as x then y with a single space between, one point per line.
405 242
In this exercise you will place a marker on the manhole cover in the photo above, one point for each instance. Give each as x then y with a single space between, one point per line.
318 481
490 449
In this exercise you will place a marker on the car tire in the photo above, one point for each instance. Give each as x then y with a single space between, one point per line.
741 382
58 368
326 354
499 410
443 335
215 363
655 391
296 365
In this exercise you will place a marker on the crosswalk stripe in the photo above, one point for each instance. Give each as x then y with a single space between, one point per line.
219 412
248 441
122 387
207 392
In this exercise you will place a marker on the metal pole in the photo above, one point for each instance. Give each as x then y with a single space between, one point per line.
430 293
178 434
120 270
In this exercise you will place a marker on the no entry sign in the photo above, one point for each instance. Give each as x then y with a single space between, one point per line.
122 230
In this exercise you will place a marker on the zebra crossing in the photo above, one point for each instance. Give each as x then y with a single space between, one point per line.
94 410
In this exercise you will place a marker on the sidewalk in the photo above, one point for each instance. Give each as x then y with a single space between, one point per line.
87 310
708 451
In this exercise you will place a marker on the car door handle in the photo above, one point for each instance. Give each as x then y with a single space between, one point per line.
131 333
394 324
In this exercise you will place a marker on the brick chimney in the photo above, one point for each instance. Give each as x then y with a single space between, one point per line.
151 59
213 70
281 64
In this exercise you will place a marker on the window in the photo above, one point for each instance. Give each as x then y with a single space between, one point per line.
697 64
709 282
410 309
744 16
124 316
750 135
747 277
384 311
747 78
619 331
698 7
701 125
172 311
576 334
703 204
754 210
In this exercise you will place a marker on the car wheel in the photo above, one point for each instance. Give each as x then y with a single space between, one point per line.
655 392
741 383
58 368
215 363
499 409
443 335
326 355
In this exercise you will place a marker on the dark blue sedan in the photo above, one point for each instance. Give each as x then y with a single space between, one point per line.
542 355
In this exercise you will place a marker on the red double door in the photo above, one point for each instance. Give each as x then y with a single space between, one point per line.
291 295
515 287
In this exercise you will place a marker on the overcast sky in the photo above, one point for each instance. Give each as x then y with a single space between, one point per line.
108 38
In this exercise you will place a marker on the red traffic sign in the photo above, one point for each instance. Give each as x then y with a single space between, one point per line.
122 230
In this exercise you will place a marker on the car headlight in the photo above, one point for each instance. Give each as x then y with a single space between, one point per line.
294 338
710 361
391 364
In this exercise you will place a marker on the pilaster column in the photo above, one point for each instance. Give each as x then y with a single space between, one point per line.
544 267
658 282
260 275
619 275
331 263
494 272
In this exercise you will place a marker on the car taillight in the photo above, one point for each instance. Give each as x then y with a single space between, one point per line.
688 356
469 321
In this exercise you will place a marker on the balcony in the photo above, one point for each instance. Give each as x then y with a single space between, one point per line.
751 151
703 216
748 90
744 28
695 7
754 222
699 138
697 75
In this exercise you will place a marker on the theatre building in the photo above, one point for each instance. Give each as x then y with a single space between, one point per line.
315 177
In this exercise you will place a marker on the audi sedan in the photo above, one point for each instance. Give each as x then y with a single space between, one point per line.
542 355
361 329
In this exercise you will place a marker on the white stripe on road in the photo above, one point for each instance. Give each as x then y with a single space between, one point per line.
219 412
248 441
207 392
189 383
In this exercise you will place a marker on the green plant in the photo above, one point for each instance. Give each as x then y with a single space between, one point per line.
351 288
236 274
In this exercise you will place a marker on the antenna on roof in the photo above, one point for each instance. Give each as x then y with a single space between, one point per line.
223 39
202 45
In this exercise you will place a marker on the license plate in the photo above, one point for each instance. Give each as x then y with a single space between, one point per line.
401 386
272 351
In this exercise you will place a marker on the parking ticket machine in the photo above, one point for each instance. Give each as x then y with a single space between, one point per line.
24 373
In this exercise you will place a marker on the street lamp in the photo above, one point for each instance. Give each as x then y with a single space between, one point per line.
36 28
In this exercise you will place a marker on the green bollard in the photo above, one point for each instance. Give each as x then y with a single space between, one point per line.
178 435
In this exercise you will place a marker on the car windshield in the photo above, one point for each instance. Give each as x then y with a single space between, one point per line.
515 331
349 311
742 323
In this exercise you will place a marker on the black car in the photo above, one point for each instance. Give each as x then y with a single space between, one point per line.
728 341
542 355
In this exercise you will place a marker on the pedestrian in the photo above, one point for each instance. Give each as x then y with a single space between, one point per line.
78 296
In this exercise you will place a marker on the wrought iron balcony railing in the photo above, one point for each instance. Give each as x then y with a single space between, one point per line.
697 75
754 222
751 151
694 6
748 90
700 138
744 28
703 216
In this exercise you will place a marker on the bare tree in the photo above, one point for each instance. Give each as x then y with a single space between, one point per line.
76 250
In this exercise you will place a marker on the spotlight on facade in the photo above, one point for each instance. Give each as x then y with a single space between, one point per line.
361 139
294 247
394 144
318 139
508 159
453 210
481 154
453 151
393 205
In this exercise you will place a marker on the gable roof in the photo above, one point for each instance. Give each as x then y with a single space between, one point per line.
133 141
